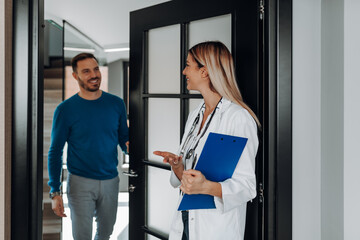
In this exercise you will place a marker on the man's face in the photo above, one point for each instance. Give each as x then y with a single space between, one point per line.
88 75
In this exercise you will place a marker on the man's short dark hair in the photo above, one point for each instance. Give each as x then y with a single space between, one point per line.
79 57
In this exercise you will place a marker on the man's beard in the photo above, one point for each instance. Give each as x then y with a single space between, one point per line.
87 88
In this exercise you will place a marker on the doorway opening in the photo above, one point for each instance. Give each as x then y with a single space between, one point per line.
62 42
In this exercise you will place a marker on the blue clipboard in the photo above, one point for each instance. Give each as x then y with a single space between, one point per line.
217 162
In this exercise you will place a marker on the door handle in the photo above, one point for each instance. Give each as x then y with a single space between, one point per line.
131 173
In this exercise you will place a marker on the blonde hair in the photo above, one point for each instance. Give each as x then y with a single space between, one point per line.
219 63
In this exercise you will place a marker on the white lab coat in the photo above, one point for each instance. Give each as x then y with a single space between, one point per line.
227 221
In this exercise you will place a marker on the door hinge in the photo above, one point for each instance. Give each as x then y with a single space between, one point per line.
262 9
261 193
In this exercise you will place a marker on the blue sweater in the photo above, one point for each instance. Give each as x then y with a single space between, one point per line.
92 129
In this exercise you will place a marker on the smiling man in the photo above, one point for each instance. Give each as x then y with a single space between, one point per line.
93 123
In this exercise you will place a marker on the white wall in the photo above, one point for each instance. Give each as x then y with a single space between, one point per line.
326 116
332 119
351 120
116 81
306 119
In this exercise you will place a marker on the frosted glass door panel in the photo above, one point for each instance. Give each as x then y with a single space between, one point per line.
164 59
162 199
211 29
194 103
150 237
164 126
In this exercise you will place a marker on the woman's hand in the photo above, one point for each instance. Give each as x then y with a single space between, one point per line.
174 160
194 182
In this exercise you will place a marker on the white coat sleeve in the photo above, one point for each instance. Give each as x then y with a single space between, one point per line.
241 187
174 180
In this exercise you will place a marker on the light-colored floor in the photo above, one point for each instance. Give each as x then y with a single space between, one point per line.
120 228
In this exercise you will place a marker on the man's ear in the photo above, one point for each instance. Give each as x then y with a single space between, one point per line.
74 75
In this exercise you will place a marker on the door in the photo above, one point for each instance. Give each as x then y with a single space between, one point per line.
160 103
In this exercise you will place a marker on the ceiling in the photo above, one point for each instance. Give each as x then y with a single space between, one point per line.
106 22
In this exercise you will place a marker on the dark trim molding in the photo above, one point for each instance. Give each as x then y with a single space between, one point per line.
154 233
63 62
284 124
278 119
27 120
270 72
157 165
126 85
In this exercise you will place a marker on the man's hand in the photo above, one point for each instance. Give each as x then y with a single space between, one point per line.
127 146
57 206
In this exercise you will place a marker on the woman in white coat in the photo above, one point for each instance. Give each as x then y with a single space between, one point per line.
210 70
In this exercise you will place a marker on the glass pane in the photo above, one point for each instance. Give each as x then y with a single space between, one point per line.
162 200
164 60
163 126
150 237
194 103
209 29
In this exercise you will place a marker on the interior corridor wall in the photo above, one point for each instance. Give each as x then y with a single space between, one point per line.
116 75
116 87
306 119
351 119
326 114
332 119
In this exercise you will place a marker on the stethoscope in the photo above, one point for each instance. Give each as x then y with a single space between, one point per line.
190 153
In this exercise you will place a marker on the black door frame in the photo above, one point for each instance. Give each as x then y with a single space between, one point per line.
27 120
27 123
278 119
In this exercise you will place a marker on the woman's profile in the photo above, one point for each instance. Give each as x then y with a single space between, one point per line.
210 70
